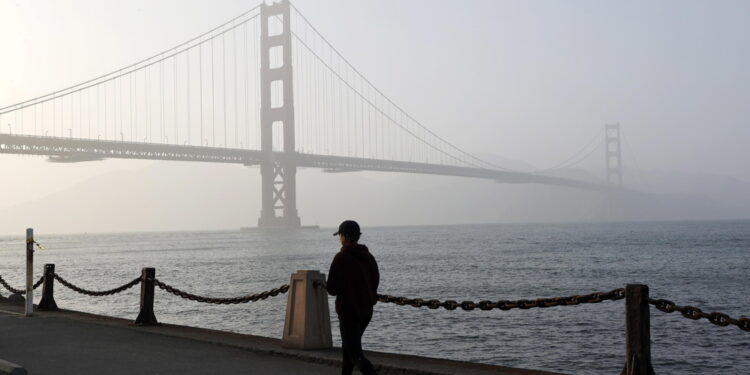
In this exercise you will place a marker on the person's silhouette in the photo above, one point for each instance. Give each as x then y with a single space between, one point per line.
353 279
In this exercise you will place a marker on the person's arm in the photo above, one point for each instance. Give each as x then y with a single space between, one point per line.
333 285
375 275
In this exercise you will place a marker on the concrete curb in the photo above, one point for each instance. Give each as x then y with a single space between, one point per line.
8 368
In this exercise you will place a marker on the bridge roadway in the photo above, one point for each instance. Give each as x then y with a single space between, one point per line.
78 150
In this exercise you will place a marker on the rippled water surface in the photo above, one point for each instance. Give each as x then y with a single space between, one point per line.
705 264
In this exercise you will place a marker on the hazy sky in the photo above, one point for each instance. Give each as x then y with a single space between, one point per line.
526 80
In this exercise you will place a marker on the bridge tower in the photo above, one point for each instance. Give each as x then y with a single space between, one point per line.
613 154
278 170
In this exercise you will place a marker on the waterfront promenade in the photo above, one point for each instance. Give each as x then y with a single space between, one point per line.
69 342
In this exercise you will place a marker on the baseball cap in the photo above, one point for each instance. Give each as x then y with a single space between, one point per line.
348 227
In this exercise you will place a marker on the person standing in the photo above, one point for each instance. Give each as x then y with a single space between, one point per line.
353 278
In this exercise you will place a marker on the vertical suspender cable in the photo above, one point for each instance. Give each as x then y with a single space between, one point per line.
174 99
80 115
310 106
362 116
224 83
369 126
213 99
200 80
316 120
162 126
105 111
256 58
88 110
120 111
330 136
340 117
147 104
234 79
187 94
130 103
247 84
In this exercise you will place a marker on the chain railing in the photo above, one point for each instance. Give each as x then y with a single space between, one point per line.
19 291
636 297
147 281
39 282
523 304
690 312
222 301
637 321
694 313
97 293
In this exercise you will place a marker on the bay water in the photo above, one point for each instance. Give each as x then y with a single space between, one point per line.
703 264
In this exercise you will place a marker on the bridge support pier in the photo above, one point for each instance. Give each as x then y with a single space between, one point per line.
278 169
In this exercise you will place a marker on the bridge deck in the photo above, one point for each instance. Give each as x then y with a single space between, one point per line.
77 150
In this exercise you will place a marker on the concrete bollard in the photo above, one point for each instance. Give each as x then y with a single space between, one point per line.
307 324
48 294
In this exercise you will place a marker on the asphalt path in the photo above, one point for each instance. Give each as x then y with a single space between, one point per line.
47 345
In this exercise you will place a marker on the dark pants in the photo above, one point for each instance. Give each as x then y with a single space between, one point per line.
352 327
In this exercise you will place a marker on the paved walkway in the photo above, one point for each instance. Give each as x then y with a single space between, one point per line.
52 345
69 342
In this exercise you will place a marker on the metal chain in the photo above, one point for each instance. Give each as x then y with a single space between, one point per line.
694 313
222 301
94 292
19 291
39 282
10 288
523 304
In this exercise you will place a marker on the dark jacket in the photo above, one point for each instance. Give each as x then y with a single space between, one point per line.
353 279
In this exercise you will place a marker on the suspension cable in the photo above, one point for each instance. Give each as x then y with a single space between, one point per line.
22 104
564 163
386 97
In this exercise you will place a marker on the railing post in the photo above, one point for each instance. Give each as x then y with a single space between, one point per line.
307 324
48 294
637 331
146 315
29 272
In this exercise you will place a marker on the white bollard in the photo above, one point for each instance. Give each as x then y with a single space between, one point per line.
307 324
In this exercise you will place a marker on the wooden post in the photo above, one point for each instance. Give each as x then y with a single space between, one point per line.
29 272
146 315
637 331
48 294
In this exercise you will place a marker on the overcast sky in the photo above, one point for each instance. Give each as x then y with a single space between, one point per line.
526 80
